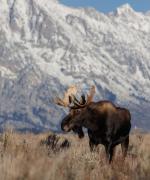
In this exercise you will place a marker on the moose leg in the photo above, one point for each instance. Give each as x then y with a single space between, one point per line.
109 152
79 131
91 144
124 147
106 150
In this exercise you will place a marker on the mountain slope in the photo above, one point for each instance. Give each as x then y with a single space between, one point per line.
46 46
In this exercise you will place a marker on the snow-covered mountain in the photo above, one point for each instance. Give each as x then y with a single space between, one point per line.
46 46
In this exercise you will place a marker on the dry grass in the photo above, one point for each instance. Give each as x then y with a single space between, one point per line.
25 156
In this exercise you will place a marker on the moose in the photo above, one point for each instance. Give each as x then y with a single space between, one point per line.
106 123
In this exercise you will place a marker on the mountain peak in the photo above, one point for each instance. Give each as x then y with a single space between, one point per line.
126 8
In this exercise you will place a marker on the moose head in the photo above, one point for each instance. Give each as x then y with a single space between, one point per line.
75 107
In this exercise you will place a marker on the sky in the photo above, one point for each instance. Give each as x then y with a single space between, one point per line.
109 5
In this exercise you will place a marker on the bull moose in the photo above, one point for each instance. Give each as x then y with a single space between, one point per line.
106 124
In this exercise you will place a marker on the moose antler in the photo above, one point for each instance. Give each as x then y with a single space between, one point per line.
68 97
83 103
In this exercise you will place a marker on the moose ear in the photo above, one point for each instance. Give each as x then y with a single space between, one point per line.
91 94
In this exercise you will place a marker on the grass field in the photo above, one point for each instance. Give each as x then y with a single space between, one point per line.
25 156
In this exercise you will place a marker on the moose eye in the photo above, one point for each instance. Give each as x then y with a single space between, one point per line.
78 111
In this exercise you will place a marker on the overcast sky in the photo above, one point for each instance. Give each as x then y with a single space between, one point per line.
109 5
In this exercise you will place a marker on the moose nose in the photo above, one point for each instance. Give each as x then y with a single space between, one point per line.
66 128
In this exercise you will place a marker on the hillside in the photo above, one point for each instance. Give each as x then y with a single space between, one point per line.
46 46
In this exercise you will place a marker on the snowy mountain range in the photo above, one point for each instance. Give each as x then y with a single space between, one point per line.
46 47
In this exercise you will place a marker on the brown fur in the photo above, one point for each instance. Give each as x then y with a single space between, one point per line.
107 124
